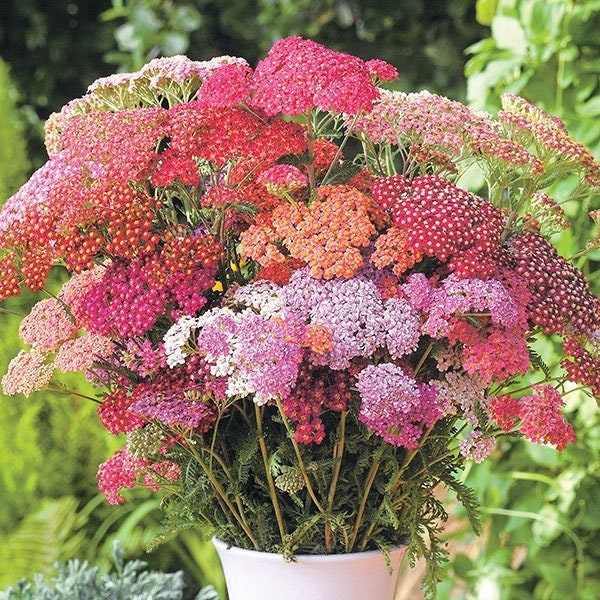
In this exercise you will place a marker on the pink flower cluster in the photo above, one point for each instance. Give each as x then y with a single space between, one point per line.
394 405
299 74
537 416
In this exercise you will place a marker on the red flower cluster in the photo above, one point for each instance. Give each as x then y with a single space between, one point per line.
561 300
537 416
440 220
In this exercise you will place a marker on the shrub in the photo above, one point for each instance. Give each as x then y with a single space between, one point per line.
131 580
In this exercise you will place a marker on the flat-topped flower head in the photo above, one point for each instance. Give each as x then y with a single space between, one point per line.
47 325
561 299
394 405
27 372
298 75
437 132
439 219
327 235
228 85
534 126
538 416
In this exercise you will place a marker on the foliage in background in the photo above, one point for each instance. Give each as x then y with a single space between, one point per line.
14 164
54 50
547 50
544 529
77 580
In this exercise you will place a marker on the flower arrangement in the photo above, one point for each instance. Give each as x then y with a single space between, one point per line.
300 309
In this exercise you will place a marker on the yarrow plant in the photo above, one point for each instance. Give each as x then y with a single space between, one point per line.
298 316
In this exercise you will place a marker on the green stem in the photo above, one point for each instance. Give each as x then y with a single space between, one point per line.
396 481
265 456
340 148
552 523
424 357
561 60
363 503
11 312
310 136
338 452
301 464
223 497
59 389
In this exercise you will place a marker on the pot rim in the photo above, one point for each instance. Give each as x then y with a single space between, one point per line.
220 545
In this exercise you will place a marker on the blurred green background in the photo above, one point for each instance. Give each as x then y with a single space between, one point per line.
542 538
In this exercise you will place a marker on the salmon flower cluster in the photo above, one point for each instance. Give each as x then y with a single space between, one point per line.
287 297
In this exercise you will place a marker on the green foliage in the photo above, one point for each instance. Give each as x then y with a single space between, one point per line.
45 536
54 50
77 580
546 51
351 493
152 28
543 524
543 531
13 152
48 434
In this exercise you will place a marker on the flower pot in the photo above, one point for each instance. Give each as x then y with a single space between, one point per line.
252 575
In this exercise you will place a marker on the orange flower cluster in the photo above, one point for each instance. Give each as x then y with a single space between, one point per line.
326 234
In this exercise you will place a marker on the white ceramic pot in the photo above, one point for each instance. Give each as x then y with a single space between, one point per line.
252 575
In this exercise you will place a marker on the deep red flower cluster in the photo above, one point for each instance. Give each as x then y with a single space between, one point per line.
443 221
561 300
114 414
316 392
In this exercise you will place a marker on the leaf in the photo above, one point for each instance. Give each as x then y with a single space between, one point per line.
44 537
186 18
509 35
548 527
589 109
485 11
127 37
463 565
144 19
175 43
208 593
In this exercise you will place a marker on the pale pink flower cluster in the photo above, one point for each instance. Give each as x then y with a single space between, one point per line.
429 121
461 393
394 405
477 446
47 325
403 119
80 354
27 372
